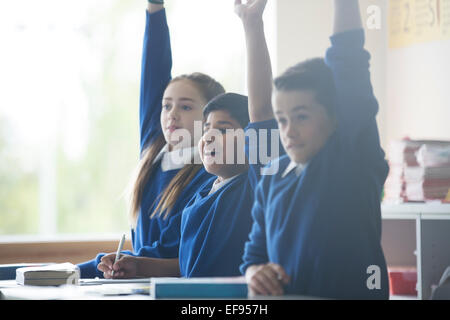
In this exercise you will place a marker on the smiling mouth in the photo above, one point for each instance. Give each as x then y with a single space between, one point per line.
172 128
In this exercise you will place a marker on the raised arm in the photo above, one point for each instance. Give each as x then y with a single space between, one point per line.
347 15
350 63
259 69
155 72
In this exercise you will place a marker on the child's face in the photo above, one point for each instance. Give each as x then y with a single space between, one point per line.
304 124
182 105
217 129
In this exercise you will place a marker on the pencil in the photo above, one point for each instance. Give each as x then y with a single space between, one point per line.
119 249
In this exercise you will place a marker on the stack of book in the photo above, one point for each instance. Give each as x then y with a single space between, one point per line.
419 171
49 275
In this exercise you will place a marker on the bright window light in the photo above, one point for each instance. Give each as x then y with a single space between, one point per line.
69 79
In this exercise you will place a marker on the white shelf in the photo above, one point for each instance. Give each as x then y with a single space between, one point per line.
431 224
434 211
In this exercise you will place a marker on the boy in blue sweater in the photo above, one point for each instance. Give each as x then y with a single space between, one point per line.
217 221
317 222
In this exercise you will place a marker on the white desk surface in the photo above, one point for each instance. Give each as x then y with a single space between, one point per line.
9 289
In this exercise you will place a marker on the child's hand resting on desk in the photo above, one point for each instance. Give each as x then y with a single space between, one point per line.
125 268
266 279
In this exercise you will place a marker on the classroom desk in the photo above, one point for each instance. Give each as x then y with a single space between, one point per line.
10 290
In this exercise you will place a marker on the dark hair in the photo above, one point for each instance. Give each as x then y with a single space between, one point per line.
315 75
235 104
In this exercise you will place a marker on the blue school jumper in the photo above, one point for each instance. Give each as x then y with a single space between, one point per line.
214 227
156 237
324 227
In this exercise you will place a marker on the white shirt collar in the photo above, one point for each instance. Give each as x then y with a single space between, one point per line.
293 165
177 159
217 185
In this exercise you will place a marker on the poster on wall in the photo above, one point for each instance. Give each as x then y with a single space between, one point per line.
418 21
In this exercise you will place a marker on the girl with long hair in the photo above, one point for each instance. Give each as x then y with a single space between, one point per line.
164 181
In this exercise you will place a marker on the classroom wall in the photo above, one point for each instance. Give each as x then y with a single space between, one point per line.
418 91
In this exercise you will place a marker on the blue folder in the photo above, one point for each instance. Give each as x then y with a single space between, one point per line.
198 288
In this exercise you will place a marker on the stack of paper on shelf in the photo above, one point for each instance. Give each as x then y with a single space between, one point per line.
49 275
419 171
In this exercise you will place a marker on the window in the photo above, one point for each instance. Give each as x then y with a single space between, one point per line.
69 105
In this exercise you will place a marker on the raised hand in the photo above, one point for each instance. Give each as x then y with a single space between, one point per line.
347 15
154 7
252 9
259 69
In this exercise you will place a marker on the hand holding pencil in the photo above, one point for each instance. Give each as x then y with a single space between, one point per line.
115 265
119 249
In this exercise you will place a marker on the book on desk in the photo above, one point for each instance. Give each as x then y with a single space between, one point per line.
49 275
8 271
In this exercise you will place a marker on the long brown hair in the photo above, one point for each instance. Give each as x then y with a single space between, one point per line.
209 88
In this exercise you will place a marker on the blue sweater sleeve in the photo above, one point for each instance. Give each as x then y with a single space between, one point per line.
349 62
255 250
356 106
167 244
155 75
89 269
262 144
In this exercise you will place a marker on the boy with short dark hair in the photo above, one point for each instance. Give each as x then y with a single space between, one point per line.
317 223
216 222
